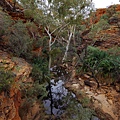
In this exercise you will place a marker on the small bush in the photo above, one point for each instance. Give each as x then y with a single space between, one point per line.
40 69
104 17
111 10
6 80
102 62
37 91
36 73
40 75
20 42
5 23
101 25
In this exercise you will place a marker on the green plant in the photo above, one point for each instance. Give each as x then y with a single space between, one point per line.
28 13
85 101
40 68
104 17
111 10
101 25
102 63
36 91
5 23
20 42
75 111
39 73
36 73
6 80
94 56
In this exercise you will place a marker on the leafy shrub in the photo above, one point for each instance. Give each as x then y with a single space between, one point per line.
95 56
6 80
40 75
111 10
101 25
36 73
75 111
5 22
104 17
37 91
105 64
40 69
28 13
20 42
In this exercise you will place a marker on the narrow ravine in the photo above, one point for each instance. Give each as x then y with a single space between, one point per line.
62 103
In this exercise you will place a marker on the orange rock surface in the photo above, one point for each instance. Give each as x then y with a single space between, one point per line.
10 103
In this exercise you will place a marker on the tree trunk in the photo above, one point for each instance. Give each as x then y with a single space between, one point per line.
68 43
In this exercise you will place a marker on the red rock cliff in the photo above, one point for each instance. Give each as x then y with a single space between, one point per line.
9 105
99 12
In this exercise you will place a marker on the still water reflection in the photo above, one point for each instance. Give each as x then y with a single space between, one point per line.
61 101
59 92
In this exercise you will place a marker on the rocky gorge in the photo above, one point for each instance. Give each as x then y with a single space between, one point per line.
105 100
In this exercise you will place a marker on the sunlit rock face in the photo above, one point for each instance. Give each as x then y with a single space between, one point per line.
99 12
10 102
109 37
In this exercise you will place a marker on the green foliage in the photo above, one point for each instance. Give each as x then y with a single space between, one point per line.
104 17
29 4
36 73
75 111
111 10
85 101
40 70
55 52
28 13
6 80
5 23
36 91
20 42
33 30
104 63
43 42
114 51
101 25
41 77
117 14
65 9
95 56
15 36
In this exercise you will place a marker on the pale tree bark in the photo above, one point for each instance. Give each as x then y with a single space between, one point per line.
70 34
50 43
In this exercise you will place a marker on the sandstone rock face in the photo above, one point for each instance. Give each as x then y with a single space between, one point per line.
105 100
9 104
32 111
100 12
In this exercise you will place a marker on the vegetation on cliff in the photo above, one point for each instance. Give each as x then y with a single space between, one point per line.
59 32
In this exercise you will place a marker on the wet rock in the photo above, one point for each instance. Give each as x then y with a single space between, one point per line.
76 86
31 111
81 82
113 20
86 76
110 102
117 87
95 118
88 83
102 115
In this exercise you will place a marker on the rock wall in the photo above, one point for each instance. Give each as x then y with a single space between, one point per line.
99 12
10 103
